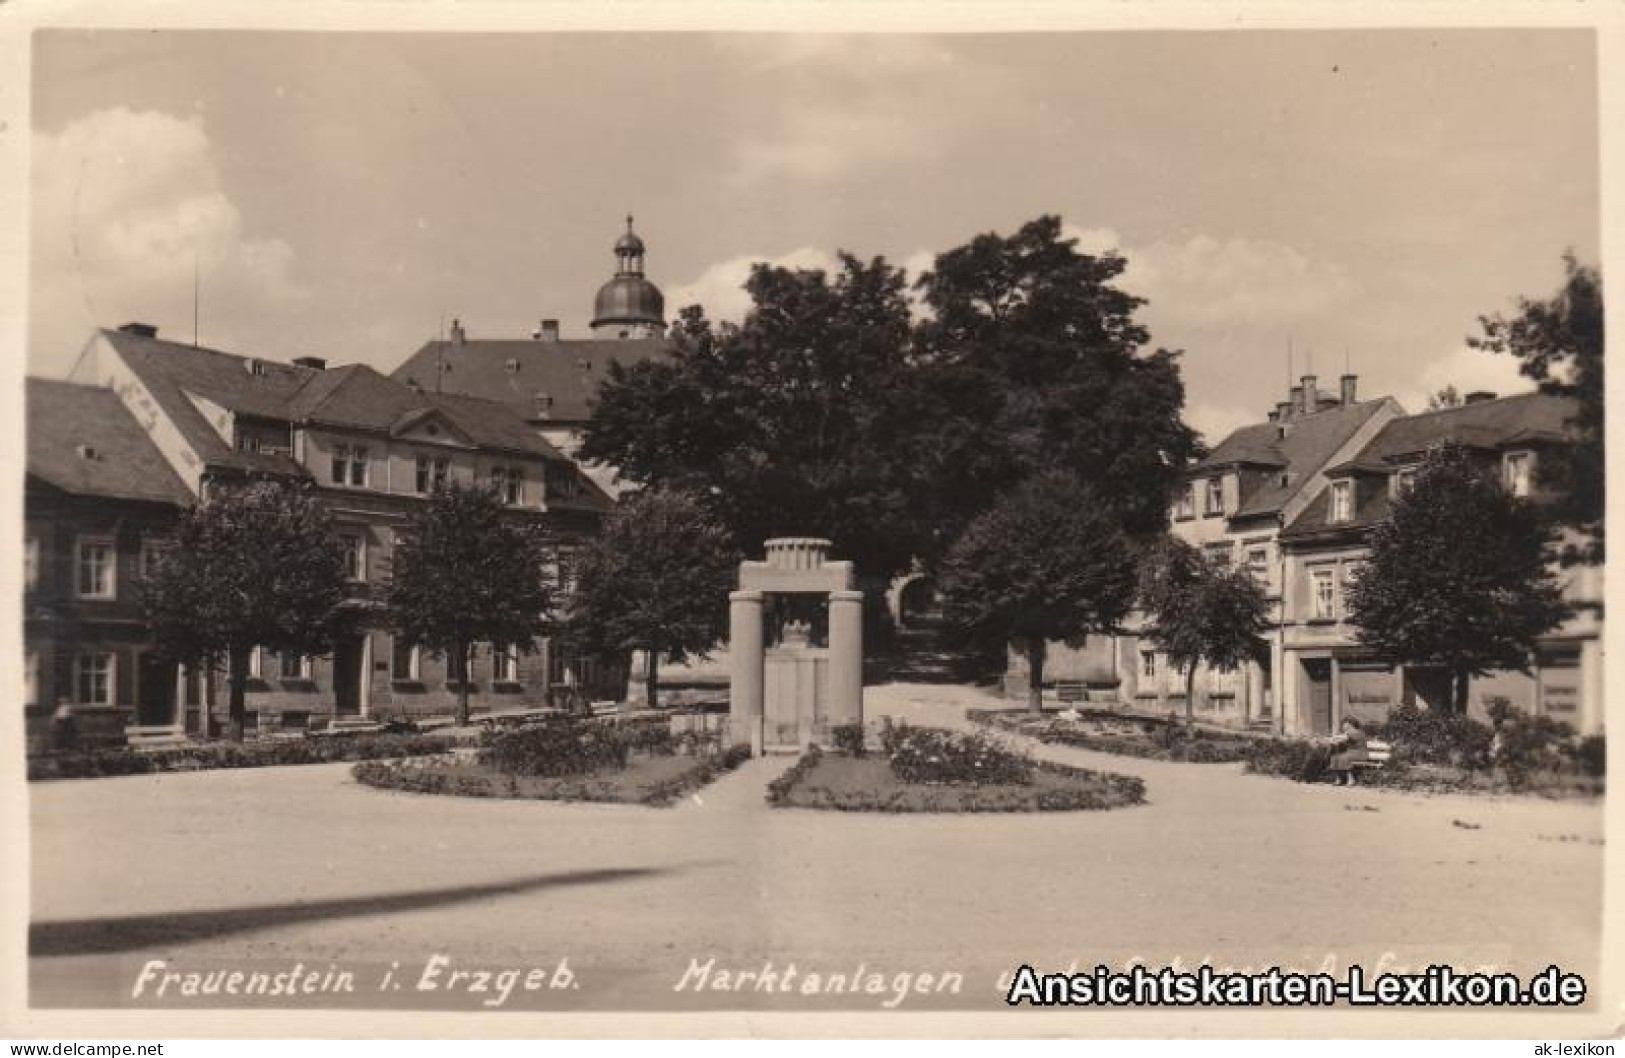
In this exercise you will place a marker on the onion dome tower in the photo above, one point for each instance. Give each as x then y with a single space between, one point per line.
629 306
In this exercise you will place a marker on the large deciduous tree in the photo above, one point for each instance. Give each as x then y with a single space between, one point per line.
1458 576
1201 611
1559 342
467 571
657 580
255 565
1047 562
797 422
1033 360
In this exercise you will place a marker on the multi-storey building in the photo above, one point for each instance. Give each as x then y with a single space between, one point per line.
372 449
98 499
549 381
1326 674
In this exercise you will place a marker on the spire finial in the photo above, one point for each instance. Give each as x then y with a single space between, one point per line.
629 223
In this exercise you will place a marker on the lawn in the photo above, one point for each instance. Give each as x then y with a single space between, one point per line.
1149 739
867 784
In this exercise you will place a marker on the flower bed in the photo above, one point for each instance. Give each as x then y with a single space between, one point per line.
650 779
204 756
1127 736
845 783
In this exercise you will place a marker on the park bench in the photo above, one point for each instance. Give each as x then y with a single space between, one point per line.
1377 755
1071 691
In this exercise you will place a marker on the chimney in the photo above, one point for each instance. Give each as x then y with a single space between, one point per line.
1310 395
1296 402
140 330
1283 411
1478 396
315 363
1275 415
548 331
458 335
1350 384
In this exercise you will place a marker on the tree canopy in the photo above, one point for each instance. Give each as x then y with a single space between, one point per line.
255 565
1048 561
656 580
1201 611
1458 575
798 422
1559 343
467 571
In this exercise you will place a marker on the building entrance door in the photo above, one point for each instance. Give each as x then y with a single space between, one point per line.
348 654
1319 673
155 684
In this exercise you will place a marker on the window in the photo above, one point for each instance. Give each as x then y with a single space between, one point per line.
247 443
93 679
510 484
1323 600
256 664
31 563
1186 507
295 666
1517 473
1351 573
1258 563
151 551
431 473
504 664
561 481
1342 501
31 678
355 556
1148 664
96 557
1403 480
406 661
1215 497
1218 554
349 465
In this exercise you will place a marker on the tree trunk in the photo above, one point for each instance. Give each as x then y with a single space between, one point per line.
459 652
651 679
1190 691
236 689
1035 677
1458 692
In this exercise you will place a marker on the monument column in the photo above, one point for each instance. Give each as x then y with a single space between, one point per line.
845 657
745 669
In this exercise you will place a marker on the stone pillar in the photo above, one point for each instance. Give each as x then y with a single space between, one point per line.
745 668
845 657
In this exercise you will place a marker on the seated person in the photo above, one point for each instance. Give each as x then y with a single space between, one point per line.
1348 748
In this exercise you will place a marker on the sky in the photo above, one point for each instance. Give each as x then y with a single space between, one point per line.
1349 199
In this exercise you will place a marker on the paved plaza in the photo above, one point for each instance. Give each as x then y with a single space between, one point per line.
283 867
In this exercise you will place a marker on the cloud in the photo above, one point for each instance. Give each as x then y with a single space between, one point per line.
124 203
843 103
1467 369
721 287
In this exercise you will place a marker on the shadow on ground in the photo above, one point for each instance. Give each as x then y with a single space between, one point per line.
85 936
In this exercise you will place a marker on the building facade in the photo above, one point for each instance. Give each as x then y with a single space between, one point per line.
372 449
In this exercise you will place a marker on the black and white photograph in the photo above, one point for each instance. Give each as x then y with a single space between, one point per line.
845 527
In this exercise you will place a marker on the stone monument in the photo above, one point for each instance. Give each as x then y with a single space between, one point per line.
788 685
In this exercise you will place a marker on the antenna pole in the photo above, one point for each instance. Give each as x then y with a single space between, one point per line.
194 295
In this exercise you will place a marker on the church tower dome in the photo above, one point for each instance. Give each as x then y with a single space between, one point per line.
629 306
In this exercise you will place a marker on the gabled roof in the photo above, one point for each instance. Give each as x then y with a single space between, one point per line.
123 463
1490 424
354 396
1306 444
514 371
1483 424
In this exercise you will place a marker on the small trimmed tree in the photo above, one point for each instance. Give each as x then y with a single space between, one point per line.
1458 577
1047 562
1201 611
256 565
467 571
657 580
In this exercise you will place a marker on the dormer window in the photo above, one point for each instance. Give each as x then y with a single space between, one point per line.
1342 501
1186 507
1517 467
1214 505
